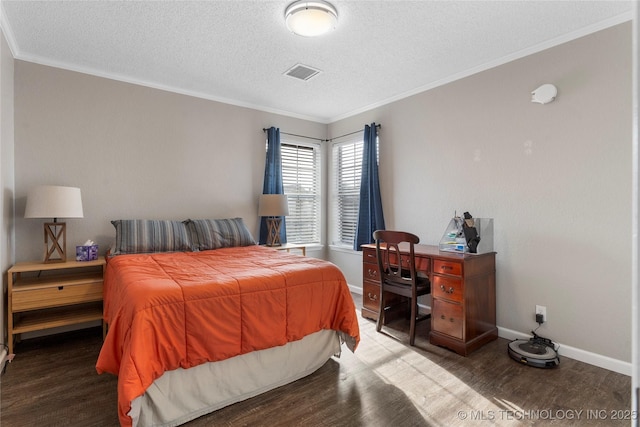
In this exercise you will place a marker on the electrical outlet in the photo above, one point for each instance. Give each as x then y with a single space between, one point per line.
541 309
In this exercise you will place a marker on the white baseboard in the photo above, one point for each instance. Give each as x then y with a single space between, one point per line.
594 359
355 289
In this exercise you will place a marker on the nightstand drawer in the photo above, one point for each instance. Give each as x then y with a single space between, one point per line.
54 296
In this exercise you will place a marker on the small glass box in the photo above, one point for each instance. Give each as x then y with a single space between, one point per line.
474 235
87 253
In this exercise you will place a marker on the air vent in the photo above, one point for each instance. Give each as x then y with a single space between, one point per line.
302 72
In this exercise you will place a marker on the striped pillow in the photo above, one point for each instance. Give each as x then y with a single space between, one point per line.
209 234
135 236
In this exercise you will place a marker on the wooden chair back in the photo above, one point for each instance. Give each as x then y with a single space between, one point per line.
396 267
398 275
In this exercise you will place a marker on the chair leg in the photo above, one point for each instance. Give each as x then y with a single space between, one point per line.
380 312
412 327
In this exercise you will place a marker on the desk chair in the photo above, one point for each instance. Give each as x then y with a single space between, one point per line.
398 274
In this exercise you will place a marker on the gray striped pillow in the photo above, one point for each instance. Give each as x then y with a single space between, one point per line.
209 234
135 236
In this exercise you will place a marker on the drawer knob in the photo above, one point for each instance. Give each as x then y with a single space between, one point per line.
371 272
448 291
372 297
60 288
443 317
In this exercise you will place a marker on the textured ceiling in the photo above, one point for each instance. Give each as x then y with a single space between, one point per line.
238 51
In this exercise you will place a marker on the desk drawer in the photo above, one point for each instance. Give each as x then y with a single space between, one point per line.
447 267
54 296
447 318
447 288
369 255
371 296
370 272
422 264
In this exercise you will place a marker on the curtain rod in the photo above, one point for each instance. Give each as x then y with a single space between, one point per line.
351 133
378 126
300 136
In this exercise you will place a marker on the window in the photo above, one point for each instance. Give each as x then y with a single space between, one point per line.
347 164
301 181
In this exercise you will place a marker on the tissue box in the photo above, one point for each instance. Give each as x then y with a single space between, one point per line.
86 253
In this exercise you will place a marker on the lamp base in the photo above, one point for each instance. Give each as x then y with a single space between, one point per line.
273 231
55 242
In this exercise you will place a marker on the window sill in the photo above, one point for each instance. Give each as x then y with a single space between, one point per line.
311 246
345 249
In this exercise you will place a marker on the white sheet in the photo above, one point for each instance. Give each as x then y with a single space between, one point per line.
185 394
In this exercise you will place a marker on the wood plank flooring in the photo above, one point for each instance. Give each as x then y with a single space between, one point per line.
53 382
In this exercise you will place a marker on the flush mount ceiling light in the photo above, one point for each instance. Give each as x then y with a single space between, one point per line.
310 18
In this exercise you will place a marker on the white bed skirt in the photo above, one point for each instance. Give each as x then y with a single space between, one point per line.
185 394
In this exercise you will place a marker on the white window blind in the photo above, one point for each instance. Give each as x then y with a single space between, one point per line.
347 166
301 181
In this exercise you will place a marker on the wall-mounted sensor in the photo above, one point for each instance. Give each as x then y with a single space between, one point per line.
544 94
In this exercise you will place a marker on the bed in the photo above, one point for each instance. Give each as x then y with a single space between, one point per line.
196 329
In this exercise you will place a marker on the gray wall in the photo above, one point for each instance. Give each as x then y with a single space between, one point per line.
635 294
556 178
6 170
135 152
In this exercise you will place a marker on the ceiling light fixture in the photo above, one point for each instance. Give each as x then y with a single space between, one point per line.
310 18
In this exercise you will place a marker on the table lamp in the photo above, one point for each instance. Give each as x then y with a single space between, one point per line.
52 201
274 207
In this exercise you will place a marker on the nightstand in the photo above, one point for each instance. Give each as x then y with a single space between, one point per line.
288 246
43 296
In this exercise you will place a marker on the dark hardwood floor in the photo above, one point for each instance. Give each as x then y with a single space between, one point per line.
53 382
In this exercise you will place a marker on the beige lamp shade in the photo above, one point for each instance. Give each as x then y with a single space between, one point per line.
52 201
273 205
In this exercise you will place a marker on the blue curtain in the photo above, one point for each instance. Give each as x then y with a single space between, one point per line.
370 215
273 179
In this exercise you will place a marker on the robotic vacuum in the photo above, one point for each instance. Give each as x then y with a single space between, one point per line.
537 351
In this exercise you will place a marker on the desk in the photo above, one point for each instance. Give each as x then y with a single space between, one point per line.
288 246
463 295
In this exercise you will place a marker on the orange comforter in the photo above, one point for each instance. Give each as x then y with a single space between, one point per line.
182 309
